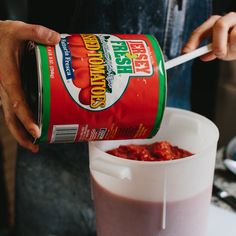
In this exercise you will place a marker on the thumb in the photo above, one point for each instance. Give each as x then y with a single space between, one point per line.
37 33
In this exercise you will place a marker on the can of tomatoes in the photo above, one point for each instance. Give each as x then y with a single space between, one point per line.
98 87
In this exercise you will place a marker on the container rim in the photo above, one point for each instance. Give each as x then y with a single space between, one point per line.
94 144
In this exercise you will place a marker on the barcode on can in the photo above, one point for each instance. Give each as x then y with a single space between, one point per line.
64 133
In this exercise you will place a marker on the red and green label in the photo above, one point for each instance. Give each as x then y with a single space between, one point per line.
101 87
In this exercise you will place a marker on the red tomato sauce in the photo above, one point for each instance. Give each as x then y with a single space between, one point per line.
158 151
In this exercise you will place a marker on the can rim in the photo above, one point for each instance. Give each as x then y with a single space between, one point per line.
162 77
40 87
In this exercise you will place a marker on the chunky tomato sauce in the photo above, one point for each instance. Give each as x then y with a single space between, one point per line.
158 151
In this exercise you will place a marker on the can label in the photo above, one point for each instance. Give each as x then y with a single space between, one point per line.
100 87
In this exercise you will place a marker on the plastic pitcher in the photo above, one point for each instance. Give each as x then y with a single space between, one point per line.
166 198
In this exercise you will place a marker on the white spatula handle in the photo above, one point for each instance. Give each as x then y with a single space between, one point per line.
188 56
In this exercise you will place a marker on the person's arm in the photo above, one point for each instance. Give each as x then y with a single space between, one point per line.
222 31
17 114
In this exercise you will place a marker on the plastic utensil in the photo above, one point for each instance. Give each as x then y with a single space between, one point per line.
188 56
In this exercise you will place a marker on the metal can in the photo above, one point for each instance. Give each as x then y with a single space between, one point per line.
99 87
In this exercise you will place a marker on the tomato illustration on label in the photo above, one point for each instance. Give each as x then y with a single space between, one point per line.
78 51
82 77
79 62
85 96
75 40
106 63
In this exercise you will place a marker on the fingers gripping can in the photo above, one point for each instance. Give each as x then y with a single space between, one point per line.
100 87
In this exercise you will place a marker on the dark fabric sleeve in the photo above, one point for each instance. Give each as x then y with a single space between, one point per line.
13 10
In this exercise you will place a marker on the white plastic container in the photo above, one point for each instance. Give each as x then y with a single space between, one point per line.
167 198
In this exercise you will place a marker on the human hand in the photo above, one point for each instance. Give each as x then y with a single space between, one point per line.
18 117
222 31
